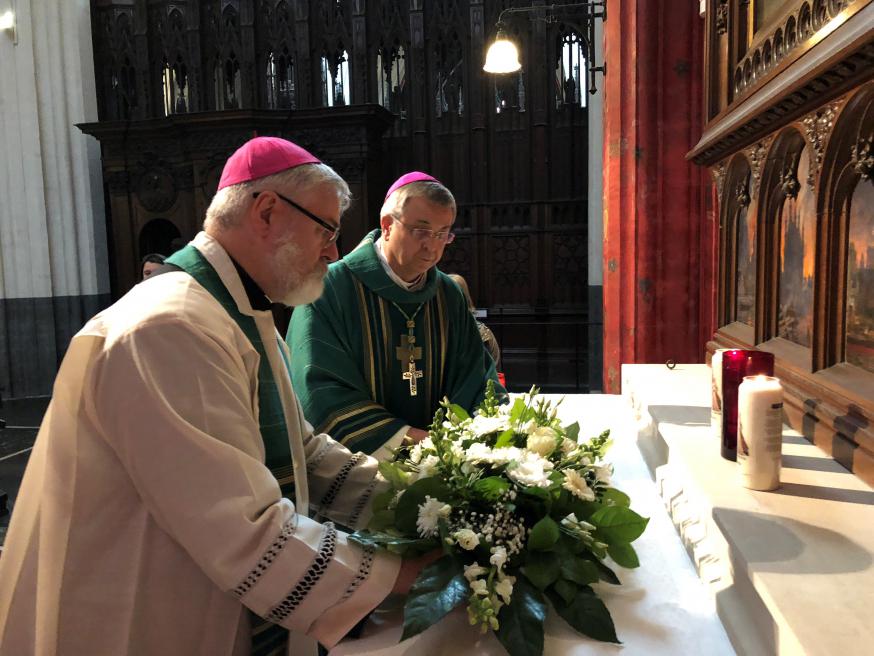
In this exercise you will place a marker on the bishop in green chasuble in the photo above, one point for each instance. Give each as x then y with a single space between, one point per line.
357 372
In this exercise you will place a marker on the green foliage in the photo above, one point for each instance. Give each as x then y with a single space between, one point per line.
587 614
544 534
579 570
395 543
623 555
439 588
618 524
393 473
542 568
521 621
613 497
491 488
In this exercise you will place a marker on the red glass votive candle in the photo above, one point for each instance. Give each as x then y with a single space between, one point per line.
737 363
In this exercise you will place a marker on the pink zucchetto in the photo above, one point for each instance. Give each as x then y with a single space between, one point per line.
263 156
407 178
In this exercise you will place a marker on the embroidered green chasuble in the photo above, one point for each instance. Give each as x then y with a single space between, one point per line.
355 369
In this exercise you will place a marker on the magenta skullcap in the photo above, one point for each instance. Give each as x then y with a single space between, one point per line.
263 156
407 178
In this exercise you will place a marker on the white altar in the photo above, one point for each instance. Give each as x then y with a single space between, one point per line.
660 608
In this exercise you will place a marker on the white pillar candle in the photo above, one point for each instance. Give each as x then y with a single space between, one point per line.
716 394
760 432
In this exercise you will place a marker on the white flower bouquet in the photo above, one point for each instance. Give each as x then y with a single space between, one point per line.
524 514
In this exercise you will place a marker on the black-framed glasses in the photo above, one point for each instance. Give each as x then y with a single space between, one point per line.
333 231
423 234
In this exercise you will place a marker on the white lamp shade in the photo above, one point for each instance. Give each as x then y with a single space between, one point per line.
502 57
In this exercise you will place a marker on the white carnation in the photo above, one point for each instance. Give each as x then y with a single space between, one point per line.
430 514
530 469
466 538
428 466
504 454
577 485
480 425
478 452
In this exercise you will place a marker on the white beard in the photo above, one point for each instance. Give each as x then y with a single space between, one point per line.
300 287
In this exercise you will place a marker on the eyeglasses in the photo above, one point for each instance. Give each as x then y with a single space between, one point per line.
333 231
423 234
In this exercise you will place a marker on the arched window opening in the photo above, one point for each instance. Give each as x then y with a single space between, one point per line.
392 76
280 81
335 80
570 71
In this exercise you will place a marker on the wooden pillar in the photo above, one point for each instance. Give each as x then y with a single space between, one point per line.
658 233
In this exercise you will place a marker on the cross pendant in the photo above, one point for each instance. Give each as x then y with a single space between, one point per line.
411 374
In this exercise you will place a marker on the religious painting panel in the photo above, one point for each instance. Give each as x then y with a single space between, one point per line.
745 259
797 220
860 278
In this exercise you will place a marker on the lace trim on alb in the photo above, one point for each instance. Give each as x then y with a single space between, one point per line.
308 581
339 480
363 572
267 558
361 503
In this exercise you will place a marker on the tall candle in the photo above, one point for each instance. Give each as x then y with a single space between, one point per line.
737 363
760 432
716 393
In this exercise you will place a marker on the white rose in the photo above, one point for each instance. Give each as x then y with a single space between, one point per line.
567 445
466 538
542 441
603 473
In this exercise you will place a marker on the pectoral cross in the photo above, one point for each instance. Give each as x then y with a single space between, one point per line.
408 352
411 374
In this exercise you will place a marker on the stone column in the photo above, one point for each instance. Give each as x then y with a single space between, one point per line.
656 253
53 260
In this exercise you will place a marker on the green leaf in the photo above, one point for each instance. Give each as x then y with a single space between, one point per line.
381 520
613 497
517 411
542 568
407 511
573 431
491 488
579 570
587 614
606 573
566 590
396 543
505 438
543 535
394 474
440 587
458 411
521 621
624 555
382 500
618 524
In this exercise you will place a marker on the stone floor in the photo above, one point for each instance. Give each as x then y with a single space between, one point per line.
22 417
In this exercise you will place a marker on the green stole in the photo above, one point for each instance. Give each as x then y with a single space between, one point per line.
267 637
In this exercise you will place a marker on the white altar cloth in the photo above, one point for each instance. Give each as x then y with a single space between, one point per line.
662 608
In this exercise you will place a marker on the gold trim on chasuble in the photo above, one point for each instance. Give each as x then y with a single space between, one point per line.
344 413
367 429
386 346
366 337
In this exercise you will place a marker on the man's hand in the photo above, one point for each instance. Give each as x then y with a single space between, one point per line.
410 568
416 435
